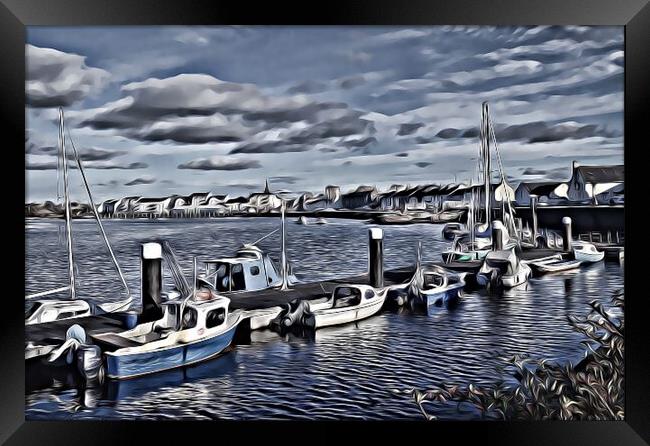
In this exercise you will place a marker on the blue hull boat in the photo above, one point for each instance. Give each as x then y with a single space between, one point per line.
137 364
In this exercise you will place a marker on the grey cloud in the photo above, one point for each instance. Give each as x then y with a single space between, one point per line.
284 179
402 155
141 180
97 154
219 164
111 183
361 142
100 165
269 147
55 78
351 82
423 164
308 86
535 132
409 129
448 133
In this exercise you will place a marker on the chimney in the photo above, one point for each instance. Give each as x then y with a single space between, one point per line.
151 285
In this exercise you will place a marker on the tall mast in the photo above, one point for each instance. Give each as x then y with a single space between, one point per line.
285 285
66 195
485 141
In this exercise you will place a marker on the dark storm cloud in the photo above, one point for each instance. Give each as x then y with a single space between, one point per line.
220 164
409 129
402 154
423 164
141 180
55 78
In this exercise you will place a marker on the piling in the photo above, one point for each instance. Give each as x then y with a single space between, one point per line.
566 234
497 235
151 274
533 213
376 257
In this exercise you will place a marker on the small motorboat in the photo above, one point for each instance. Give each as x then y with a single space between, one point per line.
587 252
503 269
191 330
452 230
251 269
465 250
349 303
437 286
302 220
554 264
321 221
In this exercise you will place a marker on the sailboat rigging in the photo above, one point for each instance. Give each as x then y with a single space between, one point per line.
51 310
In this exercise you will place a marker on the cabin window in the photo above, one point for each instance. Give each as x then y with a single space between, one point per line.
255 270
32 309
215 318
222 277
189 318
237 275
346 297
65 315
369 294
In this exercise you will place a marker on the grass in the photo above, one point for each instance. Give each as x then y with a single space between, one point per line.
591 390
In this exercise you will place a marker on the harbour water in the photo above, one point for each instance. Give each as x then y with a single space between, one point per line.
337 373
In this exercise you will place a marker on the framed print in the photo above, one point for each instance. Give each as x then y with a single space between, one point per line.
405 213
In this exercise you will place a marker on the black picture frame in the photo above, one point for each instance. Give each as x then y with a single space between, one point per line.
15 15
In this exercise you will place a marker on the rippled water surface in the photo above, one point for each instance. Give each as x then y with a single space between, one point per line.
340 372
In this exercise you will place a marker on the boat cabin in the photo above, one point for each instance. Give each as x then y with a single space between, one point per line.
199 315
249 270
351 295
506 261
55 310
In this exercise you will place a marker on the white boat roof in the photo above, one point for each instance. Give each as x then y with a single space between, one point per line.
246 249
505 255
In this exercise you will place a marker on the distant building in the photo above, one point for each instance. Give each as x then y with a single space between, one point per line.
361 197
106 208
125 207
333 196
545 192
594 184
151 207
263 202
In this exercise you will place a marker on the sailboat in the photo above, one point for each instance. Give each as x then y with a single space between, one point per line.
49 310
474 244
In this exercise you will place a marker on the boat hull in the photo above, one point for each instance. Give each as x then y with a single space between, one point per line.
338 316
122 366
507 280
589 257
442 297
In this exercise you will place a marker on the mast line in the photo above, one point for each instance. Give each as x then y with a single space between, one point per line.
99 223
73 293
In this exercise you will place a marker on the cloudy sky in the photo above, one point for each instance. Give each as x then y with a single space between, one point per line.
162 110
